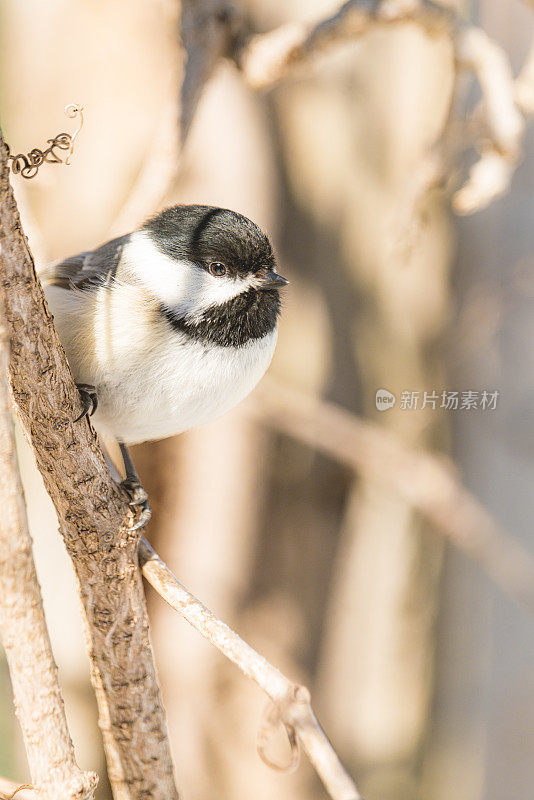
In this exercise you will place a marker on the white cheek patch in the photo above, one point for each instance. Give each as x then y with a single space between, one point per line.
179 285
213 291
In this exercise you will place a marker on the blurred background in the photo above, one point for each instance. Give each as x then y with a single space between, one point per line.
421 669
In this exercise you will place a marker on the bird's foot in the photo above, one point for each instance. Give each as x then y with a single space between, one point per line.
138 500
89 400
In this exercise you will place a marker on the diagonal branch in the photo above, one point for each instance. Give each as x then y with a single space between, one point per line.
291 701
267 58
428 482
93 517
33 672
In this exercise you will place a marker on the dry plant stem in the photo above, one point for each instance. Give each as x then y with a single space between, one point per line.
38 701
291 700
267 58
213 29
427 482
93 519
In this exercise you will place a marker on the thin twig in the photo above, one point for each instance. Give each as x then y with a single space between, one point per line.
213 29
291 701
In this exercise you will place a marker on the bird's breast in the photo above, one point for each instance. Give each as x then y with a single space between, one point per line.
152 380
178 385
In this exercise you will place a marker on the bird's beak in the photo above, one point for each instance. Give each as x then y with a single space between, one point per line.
272 280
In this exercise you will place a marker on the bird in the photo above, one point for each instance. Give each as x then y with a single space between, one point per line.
168 327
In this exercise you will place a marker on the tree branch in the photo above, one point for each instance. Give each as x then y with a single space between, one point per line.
38 701
268 58
93 516
214 29
291 701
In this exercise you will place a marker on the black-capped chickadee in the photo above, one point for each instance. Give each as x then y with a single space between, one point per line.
168 327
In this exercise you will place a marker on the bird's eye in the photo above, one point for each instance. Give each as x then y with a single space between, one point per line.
218 269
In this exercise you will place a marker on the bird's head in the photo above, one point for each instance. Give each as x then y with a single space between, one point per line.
196 258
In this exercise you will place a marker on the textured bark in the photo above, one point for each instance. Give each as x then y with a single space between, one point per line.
38 701
93 519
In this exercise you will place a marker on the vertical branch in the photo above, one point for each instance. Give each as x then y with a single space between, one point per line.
38 700
93 519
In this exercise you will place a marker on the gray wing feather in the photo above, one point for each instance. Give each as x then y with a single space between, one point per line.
91 268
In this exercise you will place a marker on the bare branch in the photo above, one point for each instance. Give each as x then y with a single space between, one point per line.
38 701
93 515
291 701
268 58
214 29
427 482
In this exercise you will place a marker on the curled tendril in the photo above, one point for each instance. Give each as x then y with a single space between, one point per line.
18 789
71 111
28 165
271 720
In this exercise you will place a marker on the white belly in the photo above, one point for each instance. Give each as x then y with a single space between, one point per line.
181 387
151 381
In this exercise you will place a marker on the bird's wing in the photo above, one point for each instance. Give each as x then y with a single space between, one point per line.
91 268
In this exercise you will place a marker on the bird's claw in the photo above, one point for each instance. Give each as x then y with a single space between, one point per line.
89 400
138 500
137 494
143 518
